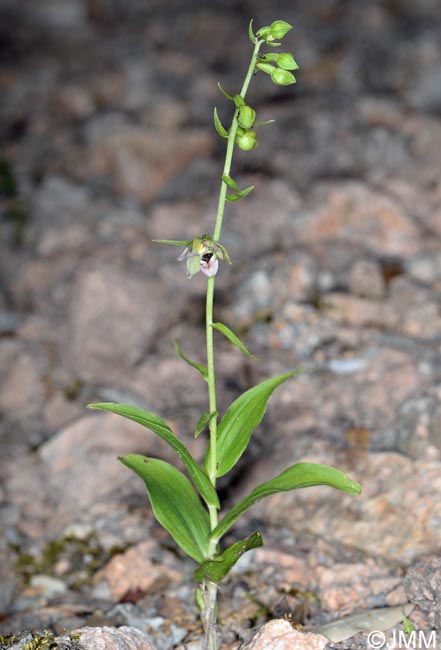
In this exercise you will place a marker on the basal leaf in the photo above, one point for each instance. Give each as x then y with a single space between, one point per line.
203 421
220 327
297 476
218 125
216 569
241 419
175 503
240 195
198 366
158 426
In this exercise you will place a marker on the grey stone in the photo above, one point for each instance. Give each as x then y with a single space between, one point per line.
113 315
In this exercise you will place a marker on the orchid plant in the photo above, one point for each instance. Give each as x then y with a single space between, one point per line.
189 509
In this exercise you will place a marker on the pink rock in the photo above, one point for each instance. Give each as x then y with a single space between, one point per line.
22 391
280 635
113 638
132 571
141 161
82 458
352 212
113 313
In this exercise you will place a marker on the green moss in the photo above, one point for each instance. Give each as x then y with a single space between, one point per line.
83 558
44 640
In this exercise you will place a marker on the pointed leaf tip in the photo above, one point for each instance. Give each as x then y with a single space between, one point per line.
300 475
223 329
203 370
240 420
161 428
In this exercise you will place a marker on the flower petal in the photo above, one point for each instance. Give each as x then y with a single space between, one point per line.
210 268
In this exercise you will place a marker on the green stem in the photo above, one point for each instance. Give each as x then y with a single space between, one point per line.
211 638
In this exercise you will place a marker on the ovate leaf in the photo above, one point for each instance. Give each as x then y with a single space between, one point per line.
297 476
198 366
240 195
218 125
158 426
175 504
241 419
220 327
216 569
203 421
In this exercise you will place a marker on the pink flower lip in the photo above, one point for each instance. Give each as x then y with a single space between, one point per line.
209 267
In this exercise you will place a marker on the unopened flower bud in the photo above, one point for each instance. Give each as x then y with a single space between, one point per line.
279 28
246 139
283 77
246 117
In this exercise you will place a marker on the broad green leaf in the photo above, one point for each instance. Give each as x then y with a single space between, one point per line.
220 327
172 242
240 195
285 60
198 366
240 420
161 428
297 476
216 569
175 503
273 44
218 125
224 92
203 421
230 182
251 33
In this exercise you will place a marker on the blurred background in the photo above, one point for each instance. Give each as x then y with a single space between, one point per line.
107 142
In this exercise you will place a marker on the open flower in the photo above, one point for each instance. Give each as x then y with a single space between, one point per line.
203 254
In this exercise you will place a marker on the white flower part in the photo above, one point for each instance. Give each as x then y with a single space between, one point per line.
210 268
183 255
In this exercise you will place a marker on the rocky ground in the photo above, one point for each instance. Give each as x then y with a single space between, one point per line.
107 144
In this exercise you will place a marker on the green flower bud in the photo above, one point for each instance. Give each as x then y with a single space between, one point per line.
246 117
238 101
265 67
282 77
285 60
246 139
279 28
264 32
